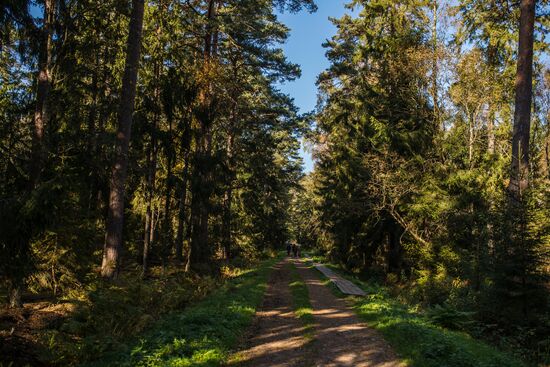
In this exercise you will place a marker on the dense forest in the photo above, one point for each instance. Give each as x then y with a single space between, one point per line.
146 152
432 143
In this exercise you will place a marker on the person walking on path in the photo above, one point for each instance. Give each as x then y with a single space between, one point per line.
288 248
295 250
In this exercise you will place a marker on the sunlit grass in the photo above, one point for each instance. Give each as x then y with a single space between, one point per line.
201 335
415 338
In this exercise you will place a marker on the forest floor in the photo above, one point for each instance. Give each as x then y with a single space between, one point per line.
20 330
339 337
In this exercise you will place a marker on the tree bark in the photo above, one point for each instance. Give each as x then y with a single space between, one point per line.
181 209
115 218
168 241
228 195
491 133
438 124
42 92
149 192
471 141
167 222
40 119
200 251
547 154
524 91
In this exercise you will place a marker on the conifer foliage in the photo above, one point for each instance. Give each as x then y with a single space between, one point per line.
143 137
425 177
142 132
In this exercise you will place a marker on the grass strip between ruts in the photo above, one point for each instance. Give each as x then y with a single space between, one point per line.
201 335
301 303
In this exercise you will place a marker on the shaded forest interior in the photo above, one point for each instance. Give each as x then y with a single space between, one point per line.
147 156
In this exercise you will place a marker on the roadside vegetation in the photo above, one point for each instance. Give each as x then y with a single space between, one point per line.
202 334
149 155
429 337
170 319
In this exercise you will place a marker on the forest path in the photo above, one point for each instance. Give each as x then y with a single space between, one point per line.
276 337
340 338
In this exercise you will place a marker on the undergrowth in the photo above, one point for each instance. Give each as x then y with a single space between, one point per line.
158 321
201 335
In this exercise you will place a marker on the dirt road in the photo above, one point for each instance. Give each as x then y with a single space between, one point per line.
340 338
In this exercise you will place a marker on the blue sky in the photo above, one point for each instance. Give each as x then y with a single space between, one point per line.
307 33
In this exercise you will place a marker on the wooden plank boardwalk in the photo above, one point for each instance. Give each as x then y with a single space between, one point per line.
344 285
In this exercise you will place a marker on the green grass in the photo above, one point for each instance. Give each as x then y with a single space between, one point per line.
200 335
301 303
418 340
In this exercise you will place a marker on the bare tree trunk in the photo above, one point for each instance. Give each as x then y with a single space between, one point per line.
115 218
168 241
470 143
93 135
42 93
226 225
491 132
471 126
200 251
524 93
181 212
167 222
149 192
188 233
228 197
438 124
547 154
40 120
146 241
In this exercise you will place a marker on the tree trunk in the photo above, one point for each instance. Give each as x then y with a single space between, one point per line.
395 251
181 212
228 197
93 136
524 90
471 141
438 124
547 154
168 242
42 92
188 232
115 218
200 251
149 192
202 185
40 120
226 225
167 222
491 133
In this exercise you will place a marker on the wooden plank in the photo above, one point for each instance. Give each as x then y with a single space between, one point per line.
344 285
